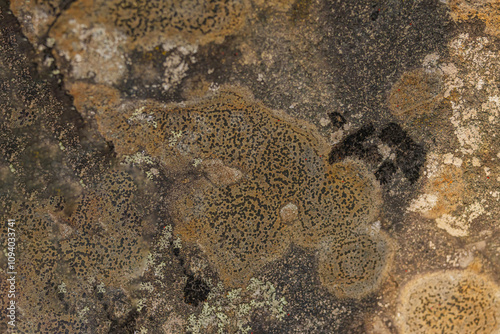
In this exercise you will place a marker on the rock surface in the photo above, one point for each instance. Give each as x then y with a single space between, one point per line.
249 166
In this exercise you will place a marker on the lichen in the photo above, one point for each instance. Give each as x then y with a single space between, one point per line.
231 312
355 267
40 264
256 164
416 92
449 302
108 222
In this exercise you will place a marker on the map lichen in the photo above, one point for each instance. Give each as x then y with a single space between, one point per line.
256 162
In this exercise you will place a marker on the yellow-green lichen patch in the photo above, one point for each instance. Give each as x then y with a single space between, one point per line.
254 163
356 266
450 302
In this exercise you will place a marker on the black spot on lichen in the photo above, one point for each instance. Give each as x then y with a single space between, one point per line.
337 120
195 291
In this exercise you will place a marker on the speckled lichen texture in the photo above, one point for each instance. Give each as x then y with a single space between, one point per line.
250 166
453 301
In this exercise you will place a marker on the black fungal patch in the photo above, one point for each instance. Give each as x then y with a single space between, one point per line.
195 291
410 156
337 120
385 172
353 145
125 324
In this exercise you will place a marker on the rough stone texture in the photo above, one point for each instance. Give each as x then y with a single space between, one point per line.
251 166
458 302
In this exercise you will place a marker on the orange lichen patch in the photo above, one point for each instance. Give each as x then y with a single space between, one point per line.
416 92
88 98
356 266
108 245
449 302
196 21
348 197
219 174
448 187
487 11
254 163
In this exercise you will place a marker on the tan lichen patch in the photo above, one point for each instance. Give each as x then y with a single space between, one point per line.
348 198
196 21
64 247
86 45
449 302
108 246
254 162
95 37
416 92
148 23
219 174
356 266
487 11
